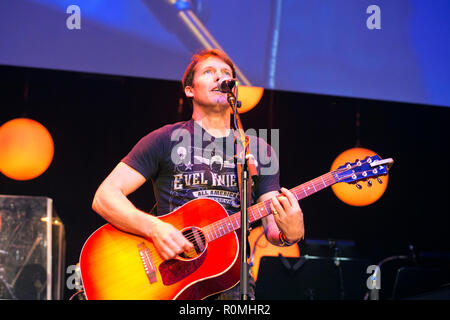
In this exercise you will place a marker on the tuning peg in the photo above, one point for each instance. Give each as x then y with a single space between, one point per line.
358 186
369 183
379 181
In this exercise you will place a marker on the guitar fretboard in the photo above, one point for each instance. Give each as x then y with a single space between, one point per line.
229 224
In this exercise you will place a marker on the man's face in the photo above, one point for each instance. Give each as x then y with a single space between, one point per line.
207 74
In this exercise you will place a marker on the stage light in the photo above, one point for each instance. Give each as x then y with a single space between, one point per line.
26 149
349 193
249 97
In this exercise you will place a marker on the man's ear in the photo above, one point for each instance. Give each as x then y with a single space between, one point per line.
189 92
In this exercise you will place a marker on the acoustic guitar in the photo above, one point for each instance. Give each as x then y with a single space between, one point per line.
117 265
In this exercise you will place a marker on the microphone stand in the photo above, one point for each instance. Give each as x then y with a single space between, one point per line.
241 158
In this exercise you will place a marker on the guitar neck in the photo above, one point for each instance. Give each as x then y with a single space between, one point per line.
262 209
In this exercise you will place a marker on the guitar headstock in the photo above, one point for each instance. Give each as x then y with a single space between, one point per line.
370 167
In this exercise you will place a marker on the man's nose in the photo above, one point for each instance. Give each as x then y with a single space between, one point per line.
221 76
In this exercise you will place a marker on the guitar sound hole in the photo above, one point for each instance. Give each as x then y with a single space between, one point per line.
196 236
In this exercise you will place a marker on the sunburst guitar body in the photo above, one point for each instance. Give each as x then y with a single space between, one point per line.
117 265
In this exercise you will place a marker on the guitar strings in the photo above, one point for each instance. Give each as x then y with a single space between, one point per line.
219 226
325 179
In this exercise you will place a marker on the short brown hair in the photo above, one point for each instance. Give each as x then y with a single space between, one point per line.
201 55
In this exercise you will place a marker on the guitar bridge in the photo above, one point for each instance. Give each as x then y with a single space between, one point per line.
147 261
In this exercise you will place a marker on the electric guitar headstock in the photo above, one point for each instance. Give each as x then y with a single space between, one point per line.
370 167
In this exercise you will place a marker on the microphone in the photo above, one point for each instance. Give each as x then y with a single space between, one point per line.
226 85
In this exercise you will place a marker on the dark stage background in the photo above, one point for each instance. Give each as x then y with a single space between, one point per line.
96 119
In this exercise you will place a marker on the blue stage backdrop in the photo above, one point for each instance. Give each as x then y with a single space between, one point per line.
378 49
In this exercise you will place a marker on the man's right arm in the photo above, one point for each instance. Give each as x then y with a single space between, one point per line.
111 202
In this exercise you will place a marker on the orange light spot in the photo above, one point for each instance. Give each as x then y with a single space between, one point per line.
26 149
249 97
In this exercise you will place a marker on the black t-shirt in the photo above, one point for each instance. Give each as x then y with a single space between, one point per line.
184 162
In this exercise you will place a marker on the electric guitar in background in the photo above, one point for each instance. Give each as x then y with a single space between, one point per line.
116 265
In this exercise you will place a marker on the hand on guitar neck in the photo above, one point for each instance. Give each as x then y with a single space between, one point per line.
286 217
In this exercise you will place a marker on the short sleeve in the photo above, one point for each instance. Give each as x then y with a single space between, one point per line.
145 156
268 167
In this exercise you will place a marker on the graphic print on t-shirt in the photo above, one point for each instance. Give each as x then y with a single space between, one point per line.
205 174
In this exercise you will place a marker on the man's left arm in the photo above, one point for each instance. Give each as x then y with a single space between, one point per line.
286 217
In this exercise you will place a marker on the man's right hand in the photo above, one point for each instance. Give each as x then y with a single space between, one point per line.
168 240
